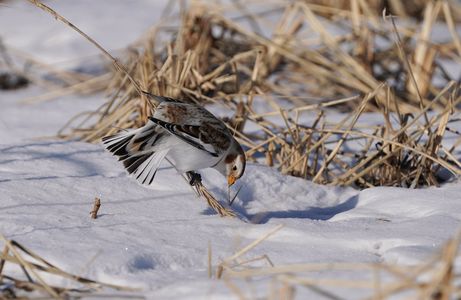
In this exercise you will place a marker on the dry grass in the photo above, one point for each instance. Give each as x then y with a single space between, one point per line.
210 58
436 278
35 269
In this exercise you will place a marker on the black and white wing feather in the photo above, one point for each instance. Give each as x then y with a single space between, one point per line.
138 150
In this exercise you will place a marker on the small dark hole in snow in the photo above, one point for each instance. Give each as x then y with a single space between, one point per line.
142 263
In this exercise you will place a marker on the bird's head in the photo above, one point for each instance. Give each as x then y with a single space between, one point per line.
235 162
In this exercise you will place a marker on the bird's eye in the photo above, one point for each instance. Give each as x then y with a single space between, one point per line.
234 168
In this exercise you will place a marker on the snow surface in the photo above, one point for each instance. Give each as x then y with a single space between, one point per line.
157 239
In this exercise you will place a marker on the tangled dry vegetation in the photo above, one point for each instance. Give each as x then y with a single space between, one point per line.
316 60
26 275
436 278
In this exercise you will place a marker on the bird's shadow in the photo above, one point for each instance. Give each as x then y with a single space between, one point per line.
247 195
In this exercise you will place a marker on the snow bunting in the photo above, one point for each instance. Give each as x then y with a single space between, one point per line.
188 135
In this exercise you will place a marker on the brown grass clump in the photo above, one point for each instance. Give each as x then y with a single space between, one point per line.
210 58
365 64
436 278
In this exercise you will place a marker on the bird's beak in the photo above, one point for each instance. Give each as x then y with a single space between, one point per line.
231 180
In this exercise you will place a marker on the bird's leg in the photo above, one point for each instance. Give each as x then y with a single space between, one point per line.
194 178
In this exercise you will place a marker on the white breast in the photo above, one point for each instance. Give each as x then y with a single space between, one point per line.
186 157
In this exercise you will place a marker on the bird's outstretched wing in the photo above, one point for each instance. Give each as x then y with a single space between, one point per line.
138 151
191 134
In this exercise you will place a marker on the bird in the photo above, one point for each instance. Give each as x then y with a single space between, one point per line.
190 137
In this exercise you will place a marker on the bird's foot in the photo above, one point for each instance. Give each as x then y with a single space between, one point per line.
194 178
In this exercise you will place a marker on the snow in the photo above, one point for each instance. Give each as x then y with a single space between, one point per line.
157 239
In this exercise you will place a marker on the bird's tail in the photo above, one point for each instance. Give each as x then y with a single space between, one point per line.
139 151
